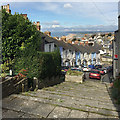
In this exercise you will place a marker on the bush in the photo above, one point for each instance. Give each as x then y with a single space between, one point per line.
116 90
39 64
71 72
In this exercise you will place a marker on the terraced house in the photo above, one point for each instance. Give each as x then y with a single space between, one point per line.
74 54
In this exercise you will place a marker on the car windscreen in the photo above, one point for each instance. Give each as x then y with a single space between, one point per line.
94 71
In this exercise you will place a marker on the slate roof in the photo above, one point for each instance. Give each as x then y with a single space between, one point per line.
72 47
46 38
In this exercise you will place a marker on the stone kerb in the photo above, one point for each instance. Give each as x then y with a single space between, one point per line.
73 78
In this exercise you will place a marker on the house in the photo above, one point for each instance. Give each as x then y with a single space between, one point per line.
116 51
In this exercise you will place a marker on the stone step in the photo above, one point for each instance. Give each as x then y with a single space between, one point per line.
71 105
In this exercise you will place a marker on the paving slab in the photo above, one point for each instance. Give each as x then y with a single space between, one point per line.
96 116
59 112
43 110
11 114
78 114
26 115
14 104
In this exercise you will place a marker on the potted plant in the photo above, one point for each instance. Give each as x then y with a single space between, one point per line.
3 75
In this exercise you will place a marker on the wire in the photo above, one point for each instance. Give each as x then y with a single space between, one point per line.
102 12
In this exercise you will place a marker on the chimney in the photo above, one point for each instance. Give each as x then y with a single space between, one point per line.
38 25
34 23
47 33
25 16
63 38
7 7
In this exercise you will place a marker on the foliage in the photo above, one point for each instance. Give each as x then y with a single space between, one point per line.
39 64
116 90
17 33
71 72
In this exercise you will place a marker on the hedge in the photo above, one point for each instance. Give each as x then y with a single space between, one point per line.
39 64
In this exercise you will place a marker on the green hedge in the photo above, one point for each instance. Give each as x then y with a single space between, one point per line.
39 64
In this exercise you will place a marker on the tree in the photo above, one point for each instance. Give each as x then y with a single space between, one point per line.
17 31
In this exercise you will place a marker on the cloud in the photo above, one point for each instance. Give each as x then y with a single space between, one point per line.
54 26
81 28
55 22
67 5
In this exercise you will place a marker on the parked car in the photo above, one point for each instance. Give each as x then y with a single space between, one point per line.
105 69
86 69
98 66
91 66
110 68
101 71
65 68
63 72
95 74
76 69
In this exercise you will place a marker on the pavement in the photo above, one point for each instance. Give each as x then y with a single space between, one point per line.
92 99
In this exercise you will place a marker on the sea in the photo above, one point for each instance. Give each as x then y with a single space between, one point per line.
78 34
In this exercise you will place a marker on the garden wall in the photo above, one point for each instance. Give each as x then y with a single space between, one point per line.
46 82
14 85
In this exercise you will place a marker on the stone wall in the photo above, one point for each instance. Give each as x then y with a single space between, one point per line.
47 82
13 85
71 78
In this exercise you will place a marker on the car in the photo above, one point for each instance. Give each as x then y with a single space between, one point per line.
105 69
95 74
101 71
98 66
65 68
74 69
63 72
110 68
86 69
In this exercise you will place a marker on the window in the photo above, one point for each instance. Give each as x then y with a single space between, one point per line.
50 48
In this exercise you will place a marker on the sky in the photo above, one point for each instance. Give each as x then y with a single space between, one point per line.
70 16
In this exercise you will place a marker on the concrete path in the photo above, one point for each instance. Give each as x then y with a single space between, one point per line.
66 100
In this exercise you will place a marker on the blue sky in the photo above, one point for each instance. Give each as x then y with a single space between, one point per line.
70 16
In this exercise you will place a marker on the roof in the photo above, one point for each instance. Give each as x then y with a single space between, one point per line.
46 37
72 47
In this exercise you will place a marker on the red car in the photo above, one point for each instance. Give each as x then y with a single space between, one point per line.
102 72
95 74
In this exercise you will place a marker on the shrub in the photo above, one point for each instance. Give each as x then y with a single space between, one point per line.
116 90
39 64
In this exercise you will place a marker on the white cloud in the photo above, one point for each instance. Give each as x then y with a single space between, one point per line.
54 26
67 5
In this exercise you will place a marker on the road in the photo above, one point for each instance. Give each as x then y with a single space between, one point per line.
105 78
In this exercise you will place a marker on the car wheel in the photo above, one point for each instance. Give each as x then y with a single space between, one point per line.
99 78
